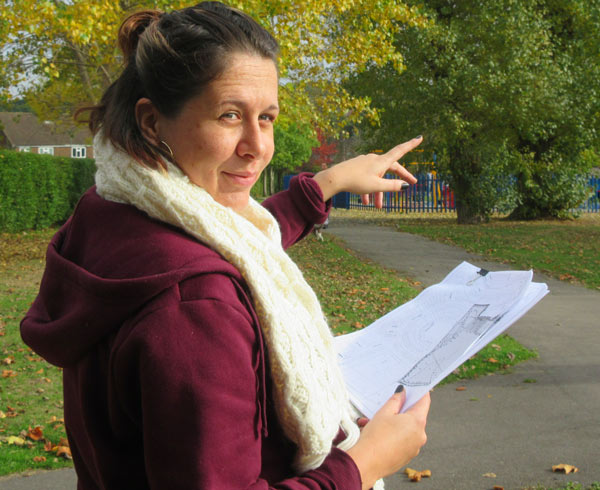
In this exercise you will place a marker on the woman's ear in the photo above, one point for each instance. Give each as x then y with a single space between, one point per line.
147 117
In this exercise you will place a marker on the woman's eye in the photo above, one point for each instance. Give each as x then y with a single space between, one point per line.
229 115
267 117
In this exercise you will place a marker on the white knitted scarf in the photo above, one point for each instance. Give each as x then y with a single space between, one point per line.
310 396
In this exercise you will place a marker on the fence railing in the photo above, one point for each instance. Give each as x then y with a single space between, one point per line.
426 196
431 195
592 204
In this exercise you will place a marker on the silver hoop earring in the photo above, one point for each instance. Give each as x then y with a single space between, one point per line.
168 148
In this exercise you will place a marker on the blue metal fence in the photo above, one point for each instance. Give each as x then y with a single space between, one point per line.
431 195
428 195
592 204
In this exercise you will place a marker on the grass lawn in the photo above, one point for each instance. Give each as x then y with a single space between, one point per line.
30 388
568 250
353 294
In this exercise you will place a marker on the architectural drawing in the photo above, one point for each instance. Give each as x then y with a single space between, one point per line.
422 341
466 331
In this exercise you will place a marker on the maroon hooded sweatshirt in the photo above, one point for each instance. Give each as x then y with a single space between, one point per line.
166 377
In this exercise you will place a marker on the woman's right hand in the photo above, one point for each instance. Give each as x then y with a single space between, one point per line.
390 439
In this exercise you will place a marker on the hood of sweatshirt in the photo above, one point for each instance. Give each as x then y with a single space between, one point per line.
103 265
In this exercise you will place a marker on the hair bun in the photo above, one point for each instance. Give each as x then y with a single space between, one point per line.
132 28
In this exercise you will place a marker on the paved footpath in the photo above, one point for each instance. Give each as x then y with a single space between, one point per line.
499 424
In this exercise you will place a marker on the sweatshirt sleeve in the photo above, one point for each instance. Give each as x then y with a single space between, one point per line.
299 208
195 365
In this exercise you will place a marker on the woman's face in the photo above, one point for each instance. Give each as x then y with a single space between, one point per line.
223 138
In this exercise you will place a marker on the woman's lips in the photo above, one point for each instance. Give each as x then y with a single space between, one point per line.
242 178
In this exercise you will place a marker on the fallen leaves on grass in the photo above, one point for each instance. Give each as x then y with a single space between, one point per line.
10 412
39 459
461 388
61 449
567 277
17 441
414 475
35 434
564 468
8 373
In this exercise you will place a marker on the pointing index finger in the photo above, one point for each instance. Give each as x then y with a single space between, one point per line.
402 149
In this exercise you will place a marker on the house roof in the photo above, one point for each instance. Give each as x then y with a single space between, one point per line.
25 129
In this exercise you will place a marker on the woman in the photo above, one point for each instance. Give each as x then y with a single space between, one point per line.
195 355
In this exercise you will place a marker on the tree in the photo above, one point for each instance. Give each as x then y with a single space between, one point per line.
61 54
15 105
558 128
325 150
66 47
293 146
485 83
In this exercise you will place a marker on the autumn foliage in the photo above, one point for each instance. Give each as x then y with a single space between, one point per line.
69 49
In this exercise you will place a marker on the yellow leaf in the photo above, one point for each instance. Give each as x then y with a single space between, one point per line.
414 475
17 441
565 468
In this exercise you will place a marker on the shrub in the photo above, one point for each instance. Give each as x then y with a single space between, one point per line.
37 191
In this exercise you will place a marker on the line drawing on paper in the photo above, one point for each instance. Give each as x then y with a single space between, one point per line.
467 330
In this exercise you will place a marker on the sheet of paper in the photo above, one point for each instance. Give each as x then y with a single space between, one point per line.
421 342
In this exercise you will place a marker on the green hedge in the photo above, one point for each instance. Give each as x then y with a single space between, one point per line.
37 191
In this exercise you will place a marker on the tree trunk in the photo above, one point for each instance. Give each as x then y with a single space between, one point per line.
81 67
265 184
467 215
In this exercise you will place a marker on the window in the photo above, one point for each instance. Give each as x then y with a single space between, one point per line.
78 152
46 150
25 149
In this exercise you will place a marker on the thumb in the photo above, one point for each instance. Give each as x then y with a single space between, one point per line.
395 403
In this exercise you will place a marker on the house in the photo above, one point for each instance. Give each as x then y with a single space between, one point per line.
23 131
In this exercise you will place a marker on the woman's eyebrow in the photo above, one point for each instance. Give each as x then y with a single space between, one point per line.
241 103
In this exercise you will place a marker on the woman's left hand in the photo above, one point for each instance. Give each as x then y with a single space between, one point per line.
365 174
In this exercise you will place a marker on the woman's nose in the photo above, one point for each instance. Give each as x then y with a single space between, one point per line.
252 143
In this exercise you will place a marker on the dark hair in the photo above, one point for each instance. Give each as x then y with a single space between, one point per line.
170 58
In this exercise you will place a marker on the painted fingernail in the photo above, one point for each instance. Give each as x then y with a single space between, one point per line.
400 389
405 185
419 137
